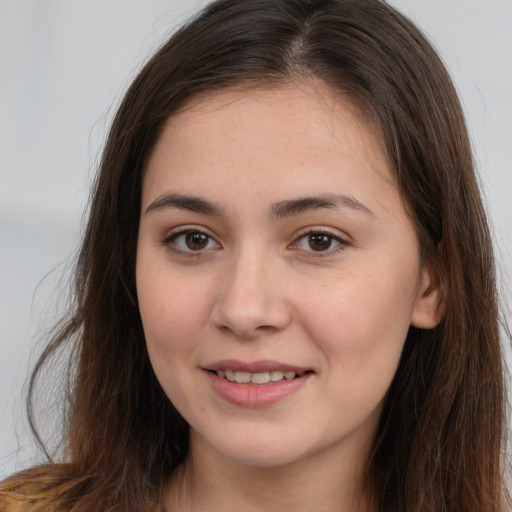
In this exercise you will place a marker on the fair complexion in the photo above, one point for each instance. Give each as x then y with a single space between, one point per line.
274 243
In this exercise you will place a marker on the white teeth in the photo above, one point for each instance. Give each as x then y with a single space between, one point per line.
260 378
255 378
243 377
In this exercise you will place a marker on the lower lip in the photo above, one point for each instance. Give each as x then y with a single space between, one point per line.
255 395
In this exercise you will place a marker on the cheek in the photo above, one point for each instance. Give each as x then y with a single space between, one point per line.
172 312
360 324
171 317
359 314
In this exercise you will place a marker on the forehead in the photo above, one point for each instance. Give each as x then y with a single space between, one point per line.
299 102
290 137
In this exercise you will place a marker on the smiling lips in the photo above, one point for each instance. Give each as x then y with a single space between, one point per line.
255 378
255 384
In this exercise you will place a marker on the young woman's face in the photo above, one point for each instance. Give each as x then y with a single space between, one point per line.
277 274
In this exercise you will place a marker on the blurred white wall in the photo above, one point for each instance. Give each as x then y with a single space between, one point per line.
63 67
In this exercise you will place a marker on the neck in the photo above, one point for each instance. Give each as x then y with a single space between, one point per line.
324 482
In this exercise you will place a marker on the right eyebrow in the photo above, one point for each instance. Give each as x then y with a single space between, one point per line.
183 202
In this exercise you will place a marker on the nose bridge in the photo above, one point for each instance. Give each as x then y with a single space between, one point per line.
250 300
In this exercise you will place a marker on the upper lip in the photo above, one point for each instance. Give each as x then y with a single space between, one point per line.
255 366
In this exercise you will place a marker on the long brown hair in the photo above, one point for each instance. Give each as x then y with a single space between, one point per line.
440 438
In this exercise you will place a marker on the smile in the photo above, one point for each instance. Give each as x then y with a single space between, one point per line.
257 378
256 384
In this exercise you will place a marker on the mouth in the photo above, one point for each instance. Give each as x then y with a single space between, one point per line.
257 378
256 384
257 373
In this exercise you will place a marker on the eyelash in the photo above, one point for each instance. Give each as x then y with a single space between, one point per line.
308 232
170 242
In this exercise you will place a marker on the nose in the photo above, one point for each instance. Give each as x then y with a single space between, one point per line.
250 301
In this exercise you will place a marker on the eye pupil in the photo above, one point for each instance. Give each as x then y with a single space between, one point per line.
196 241
319 242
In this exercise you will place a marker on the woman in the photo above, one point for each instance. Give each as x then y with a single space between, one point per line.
285 296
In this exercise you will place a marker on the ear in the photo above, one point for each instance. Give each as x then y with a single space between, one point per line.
429 307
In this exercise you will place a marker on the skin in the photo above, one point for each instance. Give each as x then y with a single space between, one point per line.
256 289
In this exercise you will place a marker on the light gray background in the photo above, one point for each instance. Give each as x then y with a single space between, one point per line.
64 65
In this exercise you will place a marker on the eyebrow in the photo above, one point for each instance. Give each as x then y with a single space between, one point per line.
182 202
330 201
278 210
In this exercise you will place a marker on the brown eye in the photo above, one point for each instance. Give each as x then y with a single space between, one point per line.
191 241
196 241
320 241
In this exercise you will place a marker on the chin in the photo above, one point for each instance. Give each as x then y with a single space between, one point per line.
261 448
268 456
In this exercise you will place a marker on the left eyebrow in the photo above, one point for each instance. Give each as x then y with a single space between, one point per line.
330 201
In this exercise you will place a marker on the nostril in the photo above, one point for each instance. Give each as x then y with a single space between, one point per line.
248 333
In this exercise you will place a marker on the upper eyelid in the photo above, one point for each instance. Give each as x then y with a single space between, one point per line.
335 233
183 229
